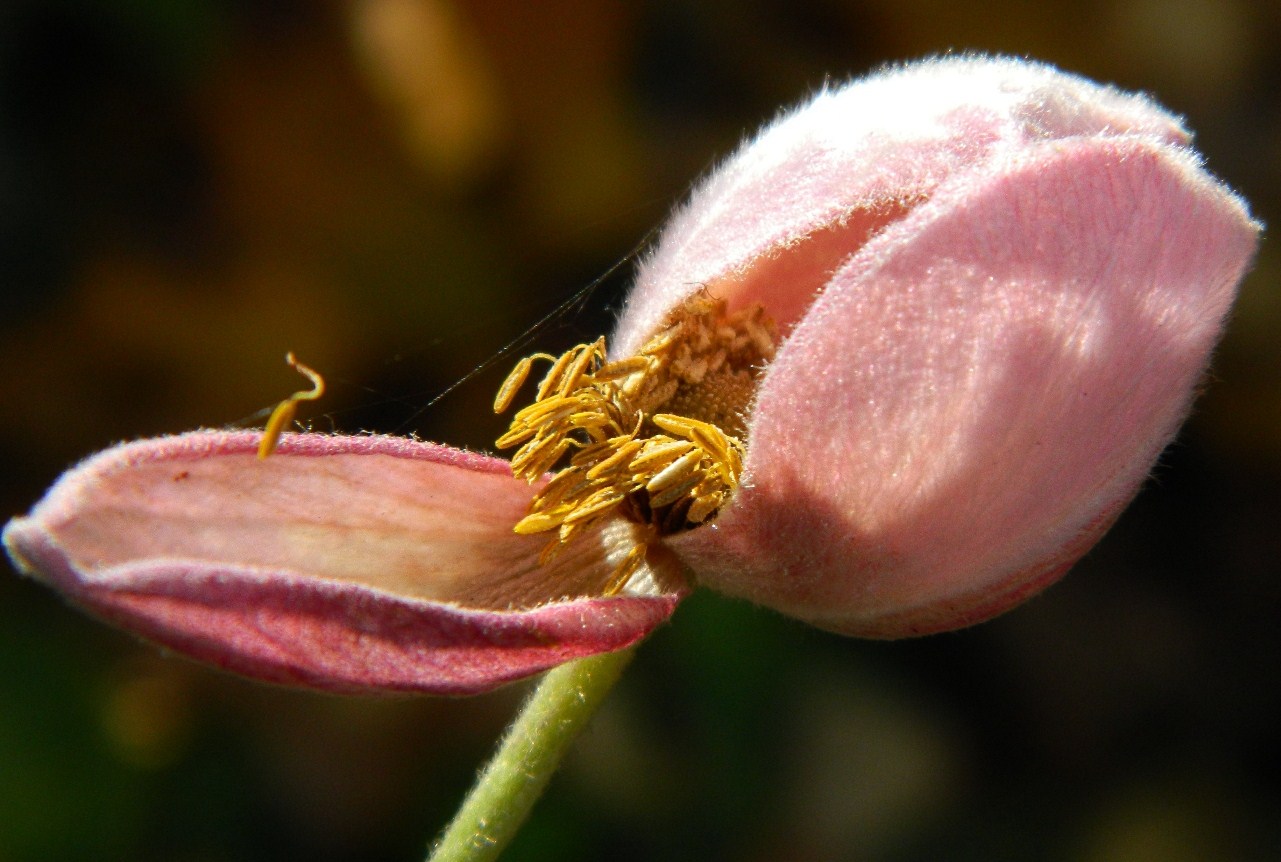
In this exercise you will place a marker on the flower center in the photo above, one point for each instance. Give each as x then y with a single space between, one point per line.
658 437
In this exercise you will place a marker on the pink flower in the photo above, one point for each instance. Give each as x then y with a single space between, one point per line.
994 288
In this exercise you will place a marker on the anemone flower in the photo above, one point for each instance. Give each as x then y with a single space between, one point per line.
892 369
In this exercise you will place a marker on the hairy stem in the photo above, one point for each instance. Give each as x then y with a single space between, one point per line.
550 720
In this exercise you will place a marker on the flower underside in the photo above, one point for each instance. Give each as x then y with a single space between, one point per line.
659 435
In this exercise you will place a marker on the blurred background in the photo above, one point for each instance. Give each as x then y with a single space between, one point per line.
395 189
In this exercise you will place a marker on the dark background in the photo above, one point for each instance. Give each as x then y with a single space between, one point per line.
396 188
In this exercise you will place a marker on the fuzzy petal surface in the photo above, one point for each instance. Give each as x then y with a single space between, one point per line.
981 388
774 222
341 563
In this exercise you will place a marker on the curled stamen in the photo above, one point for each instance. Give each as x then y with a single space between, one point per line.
285 410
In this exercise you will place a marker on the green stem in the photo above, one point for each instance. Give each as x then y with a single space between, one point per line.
550 720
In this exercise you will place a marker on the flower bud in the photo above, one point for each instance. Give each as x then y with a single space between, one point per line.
999 285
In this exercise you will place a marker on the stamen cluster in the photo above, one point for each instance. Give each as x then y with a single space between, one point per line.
666 470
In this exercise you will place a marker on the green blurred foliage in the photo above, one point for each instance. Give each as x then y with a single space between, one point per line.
397 188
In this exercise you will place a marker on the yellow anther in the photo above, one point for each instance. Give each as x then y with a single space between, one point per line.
285 410
551 426
588 355
540 456
659 452
675 472
681 425
540 522
597 503
589 455
702 507
516 434
617 461
551 411
675 492
622 368
592 421
718 446
516 379
555 373
661 342
568 482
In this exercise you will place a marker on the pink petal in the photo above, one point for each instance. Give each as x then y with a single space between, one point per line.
343 563
981 389
773 223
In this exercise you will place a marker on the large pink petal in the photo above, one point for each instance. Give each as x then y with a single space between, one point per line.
344 563
980 390
778 218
